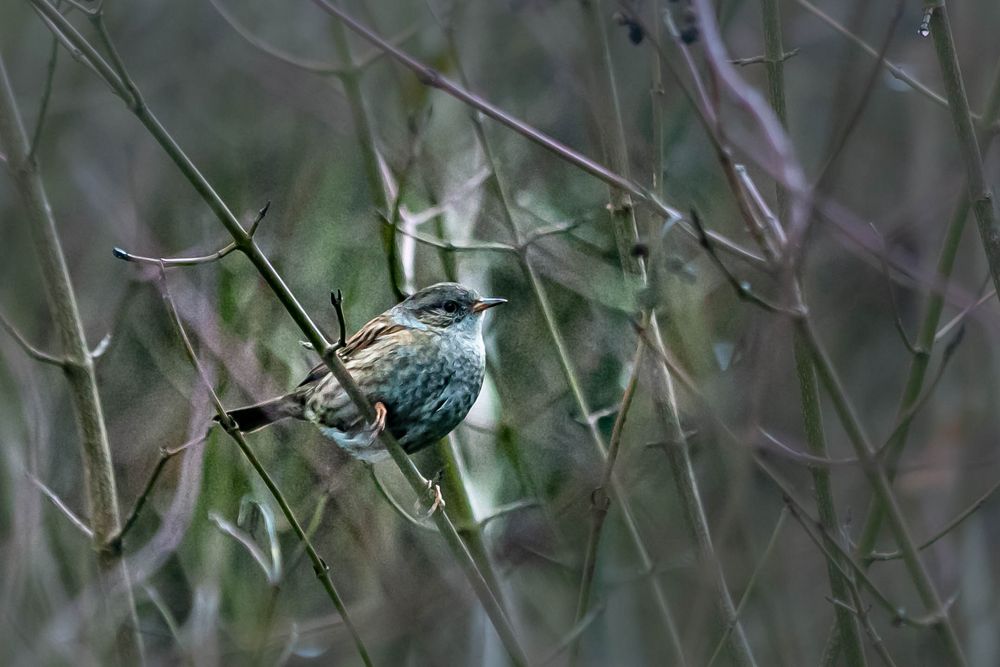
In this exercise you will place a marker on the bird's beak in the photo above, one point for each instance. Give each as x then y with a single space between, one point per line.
486 303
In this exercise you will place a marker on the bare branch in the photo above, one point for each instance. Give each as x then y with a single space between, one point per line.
955 321
762 59
115 543
30 349
314 66
896 317
43 105
320 567
742 287
171 262
77 522
337 299
950 526
890 67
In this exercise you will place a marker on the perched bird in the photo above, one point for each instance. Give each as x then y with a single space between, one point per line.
420 363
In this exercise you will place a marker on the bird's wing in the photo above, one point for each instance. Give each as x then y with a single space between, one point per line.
362 339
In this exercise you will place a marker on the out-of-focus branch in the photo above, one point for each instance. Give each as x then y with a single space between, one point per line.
950 526
893 69
751 583
847 631
882 488
43 104
29 349
980 193
98 470
496 186
314 66
600 501
61 505
115 543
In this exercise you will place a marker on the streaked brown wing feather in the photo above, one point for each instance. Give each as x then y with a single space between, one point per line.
362 339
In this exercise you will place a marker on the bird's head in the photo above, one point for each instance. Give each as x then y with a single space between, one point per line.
446 306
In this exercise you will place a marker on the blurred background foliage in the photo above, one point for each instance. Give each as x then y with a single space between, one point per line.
262 129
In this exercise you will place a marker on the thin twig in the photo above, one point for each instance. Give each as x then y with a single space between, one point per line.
881 487
98 468
742 287
314 66
764 59
751 583
171 262
862 610
904 419
950 526
600 501
897 318
29 349
43 104
571 637
926 337
116 541
60 505
891 67
271 572
337 301
384 492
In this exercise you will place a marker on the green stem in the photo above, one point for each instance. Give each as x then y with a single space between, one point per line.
883 490
847 629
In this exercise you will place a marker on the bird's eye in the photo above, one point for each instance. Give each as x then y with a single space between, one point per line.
450 306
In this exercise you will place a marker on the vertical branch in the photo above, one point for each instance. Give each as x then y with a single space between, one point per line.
99 480
848 633
882 489
980 194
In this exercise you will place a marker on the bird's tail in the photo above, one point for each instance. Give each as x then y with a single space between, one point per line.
255 417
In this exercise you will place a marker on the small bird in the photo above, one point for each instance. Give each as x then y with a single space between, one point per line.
421 364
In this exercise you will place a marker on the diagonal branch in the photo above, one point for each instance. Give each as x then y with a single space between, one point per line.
29 349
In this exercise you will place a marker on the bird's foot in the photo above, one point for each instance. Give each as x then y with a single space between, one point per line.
437 499
380 414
